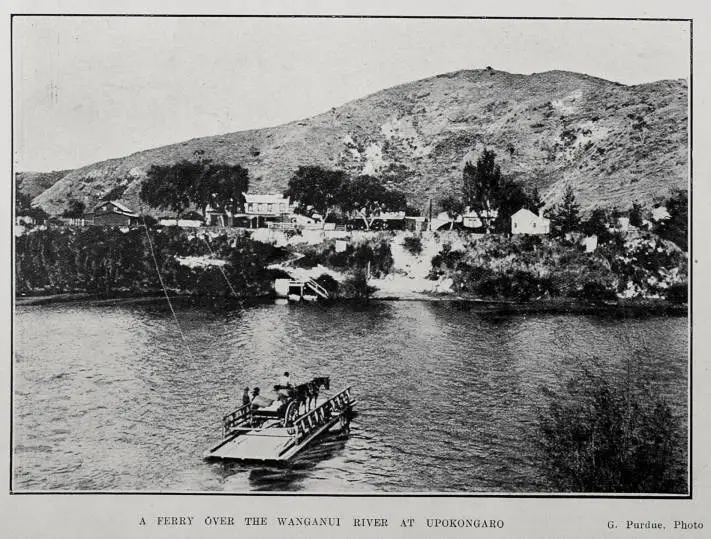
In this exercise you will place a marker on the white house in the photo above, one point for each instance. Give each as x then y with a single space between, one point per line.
526 222
266 205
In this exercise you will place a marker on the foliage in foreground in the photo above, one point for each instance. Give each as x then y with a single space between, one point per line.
603 435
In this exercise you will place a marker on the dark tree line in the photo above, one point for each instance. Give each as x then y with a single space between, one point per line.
23 206
107 261
199 183
328 191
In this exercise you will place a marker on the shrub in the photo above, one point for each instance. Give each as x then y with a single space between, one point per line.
678 293
603 436
329 283
529 242
356 286
595 291
413 244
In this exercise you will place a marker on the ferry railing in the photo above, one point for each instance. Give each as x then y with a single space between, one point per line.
237 418
306 423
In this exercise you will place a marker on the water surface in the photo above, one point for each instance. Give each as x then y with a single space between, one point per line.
108 397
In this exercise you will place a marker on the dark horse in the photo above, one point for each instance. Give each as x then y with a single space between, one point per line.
304 394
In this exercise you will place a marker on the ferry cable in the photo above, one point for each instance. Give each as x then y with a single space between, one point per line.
220 267
165 291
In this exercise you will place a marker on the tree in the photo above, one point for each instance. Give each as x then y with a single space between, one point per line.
636 214
316 187
22 202
75 208
366 197
222 187
676 227
172 187
597 225
640 125
453 206
535 203
482 188
565 217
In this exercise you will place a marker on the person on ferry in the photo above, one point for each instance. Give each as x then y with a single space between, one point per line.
285 387
246 399
258 401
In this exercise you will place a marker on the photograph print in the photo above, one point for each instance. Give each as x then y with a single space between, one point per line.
351 255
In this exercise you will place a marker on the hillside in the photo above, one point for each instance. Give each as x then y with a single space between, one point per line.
35 183
613 143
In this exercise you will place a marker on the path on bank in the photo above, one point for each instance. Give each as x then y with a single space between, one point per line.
409 278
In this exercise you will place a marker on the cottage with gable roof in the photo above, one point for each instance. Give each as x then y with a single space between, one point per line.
526 222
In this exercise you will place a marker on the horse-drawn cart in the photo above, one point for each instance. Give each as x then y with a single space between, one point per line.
280 430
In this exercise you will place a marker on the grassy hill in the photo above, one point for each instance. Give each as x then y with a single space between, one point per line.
35 183
613 143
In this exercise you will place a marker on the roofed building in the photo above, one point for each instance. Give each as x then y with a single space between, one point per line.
261 209
526 222
112 213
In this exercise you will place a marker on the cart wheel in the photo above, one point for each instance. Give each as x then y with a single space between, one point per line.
292 412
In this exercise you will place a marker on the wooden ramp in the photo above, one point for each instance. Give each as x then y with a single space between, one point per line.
264 445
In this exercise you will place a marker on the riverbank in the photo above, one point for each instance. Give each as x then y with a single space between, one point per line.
532 273
555 306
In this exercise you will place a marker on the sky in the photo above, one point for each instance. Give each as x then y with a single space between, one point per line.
92 88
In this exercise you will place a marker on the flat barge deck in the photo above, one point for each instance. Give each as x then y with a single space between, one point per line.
273 435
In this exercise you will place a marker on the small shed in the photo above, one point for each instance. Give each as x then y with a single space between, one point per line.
416 223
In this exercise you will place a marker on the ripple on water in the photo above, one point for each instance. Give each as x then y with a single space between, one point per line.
447 396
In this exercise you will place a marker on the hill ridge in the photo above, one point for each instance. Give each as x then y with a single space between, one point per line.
613 143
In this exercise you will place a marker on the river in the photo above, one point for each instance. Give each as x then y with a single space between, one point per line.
109 397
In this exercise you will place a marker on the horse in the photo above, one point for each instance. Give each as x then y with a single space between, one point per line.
305 394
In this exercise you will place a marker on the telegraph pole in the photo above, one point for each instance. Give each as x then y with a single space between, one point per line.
429 219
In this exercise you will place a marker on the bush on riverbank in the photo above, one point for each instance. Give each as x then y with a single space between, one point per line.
104 261
356 286
646 265
601 435
522 268
329 284
530 267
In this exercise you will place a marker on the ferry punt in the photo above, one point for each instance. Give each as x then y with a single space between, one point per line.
278 431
